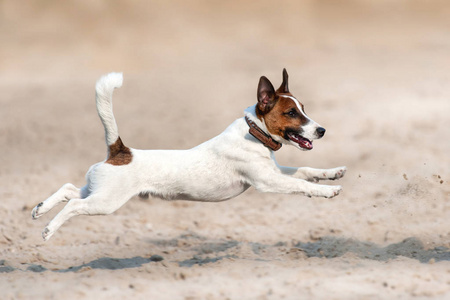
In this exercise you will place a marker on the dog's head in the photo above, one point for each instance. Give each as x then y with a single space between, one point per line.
284 116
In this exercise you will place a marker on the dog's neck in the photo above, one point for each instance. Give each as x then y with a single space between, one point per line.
258 129
250 112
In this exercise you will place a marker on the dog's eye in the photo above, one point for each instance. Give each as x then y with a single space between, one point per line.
292 113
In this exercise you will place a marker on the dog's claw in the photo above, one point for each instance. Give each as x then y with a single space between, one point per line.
340 172
46 234
35 213
335 190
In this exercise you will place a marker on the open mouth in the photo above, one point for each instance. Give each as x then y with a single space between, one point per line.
301 141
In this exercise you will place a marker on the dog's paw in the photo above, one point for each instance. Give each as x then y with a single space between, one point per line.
329 191
334 191
35 213
326 191
338 173
47 233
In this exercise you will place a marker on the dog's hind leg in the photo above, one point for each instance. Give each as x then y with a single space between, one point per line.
64 194
94 204
314 175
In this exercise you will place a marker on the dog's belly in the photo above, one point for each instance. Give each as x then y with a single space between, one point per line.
211 193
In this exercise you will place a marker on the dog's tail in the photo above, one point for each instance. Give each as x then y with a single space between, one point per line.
103 97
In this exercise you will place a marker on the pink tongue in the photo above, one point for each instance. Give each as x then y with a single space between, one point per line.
302 142
305 143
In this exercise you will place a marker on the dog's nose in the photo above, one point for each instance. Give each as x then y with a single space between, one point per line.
320 132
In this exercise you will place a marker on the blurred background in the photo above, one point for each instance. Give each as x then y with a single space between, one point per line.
351 41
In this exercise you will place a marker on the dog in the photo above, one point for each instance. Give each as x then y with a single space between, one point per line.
216 170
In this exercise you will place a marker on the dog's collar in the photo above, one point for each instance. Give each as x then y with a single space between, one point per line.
261 136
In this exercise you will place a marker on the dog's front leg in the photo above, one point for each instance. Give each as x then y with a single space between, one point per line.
314 175
281 183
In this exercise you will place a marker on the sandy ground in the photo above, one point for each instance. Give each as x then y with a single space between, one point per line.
375 74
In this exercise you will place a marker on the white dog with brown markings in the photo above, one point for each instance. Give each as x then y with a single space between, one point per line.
217 170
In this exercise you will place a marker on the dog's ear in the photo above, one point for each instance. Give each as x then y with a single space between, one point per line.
266 95
284 88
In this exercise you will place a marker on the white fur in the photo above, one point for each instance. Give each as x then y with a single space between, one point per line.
103 96
216 170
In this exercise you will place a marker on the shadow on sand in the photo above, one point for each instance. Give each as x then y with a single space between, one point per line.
206 251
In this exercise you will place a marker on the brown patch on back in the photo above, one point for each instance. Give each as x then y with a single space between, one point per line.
119 154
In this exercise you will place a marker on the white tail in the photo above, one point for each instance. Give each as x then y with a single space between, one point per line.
103 97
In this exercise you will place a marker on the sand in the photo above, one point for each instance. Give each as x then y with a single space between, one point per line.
375 74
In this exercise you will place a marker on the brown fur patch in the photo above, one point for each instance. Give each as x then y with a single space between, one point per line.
119 154
278 118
